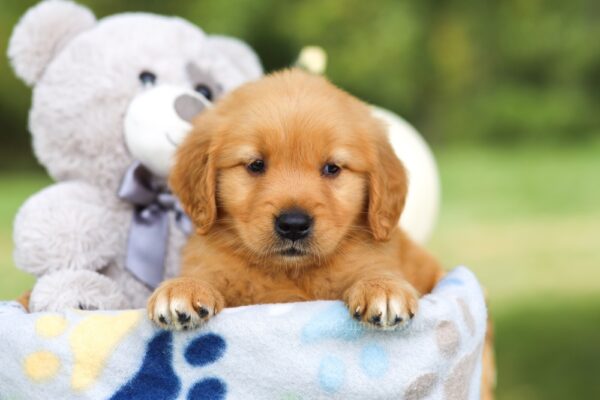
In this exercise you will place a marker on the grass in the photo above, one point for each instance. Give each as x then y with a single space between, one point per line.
548 349
527 221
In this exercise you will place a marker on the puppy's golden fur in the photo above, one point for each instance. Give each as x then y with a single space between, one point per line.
295 124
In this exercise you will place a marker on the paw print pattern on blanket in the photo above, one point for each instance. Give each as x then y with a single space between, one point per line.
94 337
448 342
91 341
337 356
44 365
334 323
204 350
332 371
156 378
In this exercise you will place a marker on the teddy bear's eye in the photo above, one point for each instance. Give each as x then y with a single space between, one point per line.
147 78
204 90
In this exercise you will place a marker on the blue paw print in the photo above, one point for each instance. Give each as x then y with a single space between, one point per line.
204 350
335 323
156 379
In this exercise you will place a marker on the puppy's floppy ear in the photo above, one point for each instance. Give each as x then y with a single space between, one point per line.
387 189
193 180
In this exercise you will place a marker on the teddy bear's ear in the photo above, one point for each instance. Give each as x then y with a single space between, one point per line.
42 33
240 54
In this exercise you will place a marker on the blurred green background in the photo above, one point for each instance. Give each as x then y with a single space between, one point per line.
507 93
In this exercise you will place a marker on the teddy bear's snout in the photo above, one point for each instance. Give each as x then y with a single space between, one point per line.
156 122
187 107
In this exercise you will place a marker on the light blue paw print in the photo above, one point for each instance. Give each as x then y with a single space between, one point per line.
335 323
332 373
446 282
332 323
374 360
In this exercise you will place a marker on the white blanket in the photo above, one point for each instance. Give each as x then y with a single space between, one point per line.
308 351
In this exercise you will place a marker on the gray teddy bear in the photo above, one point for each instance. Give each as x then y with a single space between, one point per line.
112 99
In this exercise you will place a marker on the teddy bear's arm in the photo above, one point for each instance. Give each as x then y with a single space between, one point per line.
67 226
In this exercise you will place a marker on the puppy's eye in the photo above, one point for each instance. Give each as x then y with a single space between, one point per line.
204 91
256 167
331 170
147 78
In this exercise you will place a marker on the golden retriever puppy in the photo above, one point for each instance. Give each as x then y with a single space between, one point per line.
296 193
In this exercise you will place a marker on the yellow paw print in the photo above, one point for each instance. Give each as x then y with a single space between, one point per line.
91 341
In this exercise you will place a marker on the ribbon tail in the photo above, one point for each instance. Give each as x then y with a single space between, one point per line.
184 223
147 246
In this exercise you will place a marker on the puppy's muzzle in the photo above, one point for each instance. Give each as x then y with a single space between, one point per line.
293 224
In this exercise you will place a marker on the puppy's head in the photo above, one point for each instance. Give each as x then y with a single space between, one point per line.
290 168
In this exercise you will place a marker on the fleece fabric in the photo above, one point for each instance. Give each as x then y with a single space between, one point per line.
310 350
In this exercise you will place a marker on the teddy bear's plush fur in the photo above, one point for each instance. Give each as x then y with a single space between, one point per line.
87 75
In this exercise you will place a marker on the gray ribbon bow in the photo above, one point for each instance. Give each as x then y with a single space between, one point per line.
149 231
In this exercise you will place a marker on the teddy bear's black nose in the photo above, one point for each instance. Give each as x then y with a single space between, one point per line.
187 107
293 224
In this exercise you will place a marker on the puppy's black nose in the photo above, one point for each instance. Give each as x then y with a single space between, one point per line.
293 224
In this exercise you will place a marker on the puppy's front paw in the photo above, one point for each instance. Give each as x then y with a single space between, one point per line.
382 303
184 303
